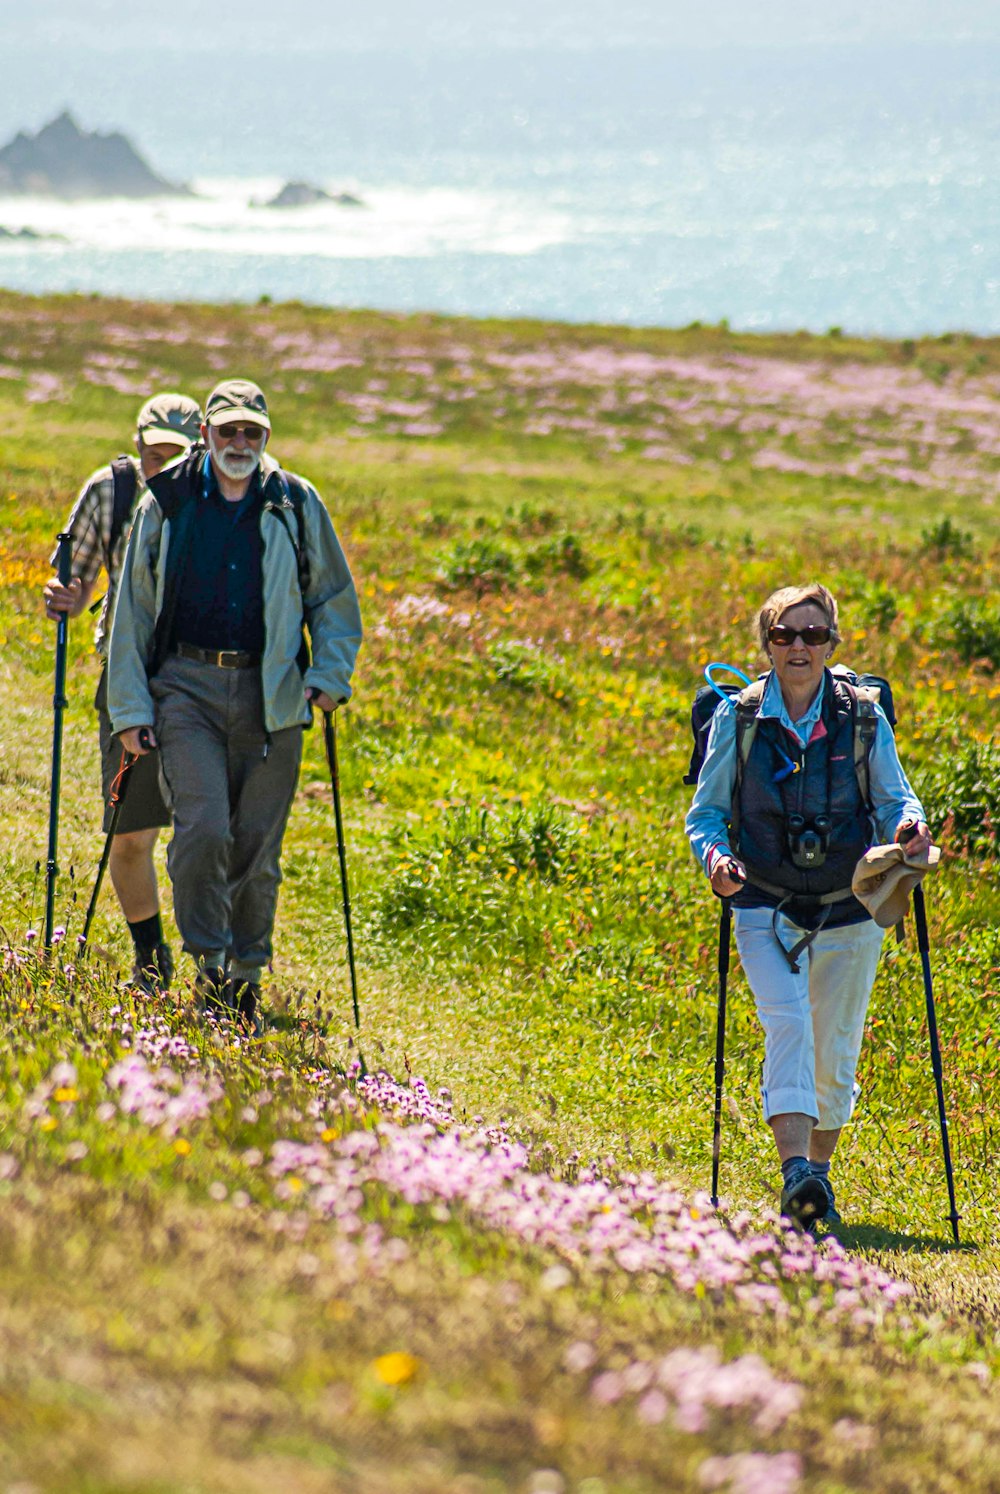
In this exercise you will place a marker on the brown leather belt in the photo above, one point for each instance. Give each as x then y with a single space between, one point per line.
222 658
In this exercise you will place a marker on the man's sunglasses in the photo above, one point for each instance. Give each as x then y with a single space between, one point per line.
252 432
785 637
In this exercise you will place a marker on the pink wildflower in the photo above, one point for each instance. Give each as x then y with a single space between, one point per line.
753 1473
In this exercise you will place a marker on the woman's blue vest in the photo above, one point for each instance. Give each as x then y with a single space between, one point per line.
826 784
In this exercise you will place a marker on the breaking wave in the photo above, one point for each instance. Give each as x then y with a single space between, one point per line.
225 216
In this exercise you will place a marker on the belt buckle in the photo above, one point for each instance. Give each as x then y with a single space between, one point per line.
228 658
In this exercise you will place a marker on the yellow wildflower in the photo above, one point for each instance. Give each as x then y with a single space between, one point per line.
396 1368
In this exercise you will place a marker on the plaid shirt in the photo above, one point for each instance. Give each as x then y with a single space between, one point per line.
90 526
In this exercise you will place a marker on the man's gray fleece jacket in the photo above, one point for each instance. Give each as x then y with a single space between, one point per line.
330 607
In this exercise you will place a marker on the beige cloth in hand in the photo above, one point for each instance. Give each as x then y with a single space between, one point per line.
884 876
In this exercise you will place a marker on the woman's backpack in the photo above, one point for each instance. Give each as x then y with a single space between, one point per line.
866 691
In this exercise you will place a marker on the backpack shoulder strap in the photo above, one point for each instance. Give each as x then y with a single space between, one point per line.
294 498
175 493
747 704
863 699
125 482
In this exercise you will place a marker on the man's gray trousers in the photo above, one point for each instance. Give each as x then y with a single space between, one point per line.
231 787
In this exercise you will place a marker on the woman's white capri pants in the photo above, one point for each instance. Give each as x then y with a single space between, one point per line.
814 1021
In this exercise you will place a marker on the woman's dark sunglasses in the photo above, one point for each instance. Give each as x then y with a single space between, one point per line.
252 432
785 637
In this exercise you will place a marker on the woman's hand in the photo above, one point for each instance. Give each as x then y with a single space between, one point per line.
914 838
728 876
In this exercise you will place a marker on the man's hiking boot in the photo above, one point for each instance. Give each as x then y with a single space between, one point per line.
153 970
804 1198
212 989
244 999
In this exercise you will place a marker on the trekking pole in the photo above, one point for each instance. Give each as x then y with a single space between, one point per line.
923 944
64 561
330 738
119 787
725 919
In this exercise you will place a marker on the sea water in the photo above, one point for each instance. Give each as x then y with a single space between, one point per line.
777 190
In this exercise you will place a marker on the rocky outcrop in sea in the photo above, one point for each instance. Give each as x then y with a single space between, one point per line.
304 194
64 161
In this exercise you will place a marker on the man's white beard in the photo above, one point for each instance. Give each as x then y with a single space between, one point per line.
235 465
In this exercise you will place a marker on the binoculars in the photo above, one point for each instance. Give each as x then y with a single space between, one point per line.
807 843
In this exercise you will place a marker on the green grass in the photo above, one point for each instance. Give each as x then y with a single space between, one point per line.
577 520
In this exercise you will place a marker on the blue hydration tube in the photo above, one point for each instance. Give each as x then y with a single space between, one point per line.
729 669
790 766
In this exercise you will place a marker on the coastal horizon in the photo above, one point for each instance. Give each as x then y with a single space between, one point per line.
832 340
803 187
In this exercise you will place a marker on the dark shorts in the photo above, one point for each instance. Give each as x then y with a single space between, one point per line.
145 807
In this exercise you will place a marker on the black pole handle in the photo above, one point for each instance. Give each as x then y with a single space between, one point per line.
64 558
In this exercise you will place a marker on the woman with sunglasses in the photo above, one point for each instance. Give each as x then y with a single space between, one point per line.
780 833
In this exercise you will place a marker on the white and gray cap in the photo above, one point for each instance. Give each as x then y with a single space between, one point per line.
169 419
237 399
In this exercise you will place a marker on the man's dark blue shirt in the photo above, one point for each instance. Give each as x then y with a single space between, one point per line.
220 600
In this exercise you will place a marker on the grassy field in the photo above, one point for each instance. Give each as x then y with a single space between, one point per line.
491 1264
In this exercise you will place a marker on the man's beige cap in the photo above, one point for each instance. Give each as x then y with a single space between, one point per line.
883 878
169 418
237 399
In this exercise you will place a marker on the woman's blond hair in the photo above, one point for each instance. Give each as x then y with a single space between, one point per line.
786 597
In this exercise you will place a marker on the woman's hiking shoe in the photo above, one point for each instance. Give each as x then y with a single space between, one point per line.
244 999
153 970
804 1198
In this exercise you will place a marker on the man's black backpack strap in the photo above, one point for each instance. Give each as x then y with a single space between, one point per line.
175 490
293 497
125 483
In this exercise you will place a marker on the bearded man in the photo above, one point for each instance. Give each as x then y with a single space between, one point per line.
230 559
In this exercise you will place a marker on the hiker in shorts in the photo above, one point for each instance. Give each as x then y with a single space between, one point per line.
230 557
166 427
779 827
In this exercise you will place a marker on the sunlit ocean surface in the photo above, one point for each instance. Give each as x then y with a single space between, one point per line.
799 192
